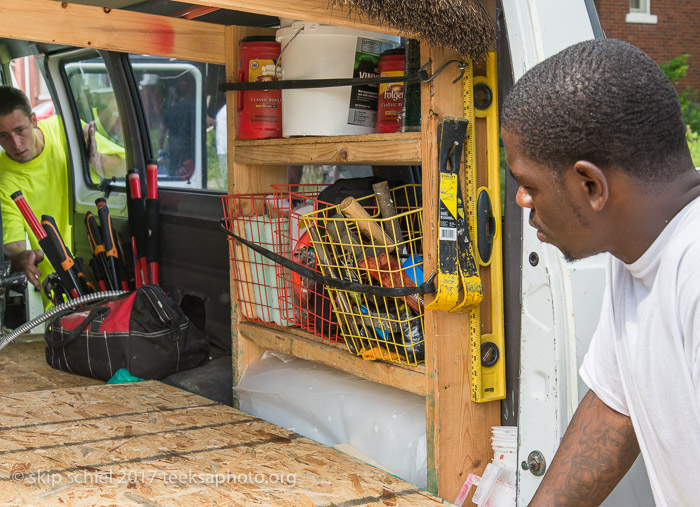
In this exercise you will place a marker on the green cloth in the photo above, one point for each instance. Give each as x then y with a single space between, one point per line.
123 376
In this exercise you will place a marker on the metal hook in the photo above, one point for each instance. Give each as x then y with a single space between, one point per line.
423 73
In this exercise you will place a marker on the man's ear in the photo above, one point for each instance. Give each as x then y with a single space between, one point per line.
593 183
33 119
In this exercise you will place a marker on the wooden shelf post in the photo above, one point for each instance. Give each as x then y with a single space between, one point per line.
243 179
459 430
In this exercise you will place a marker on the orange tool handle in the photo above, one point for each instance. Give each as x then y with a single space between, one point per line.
106 224
94 234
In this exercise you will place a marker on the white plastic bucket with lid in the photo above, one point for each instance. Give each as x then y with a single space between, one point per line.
313 51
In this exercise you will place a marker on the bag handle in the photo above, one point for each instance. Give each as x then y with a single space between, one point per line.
391 292
95 312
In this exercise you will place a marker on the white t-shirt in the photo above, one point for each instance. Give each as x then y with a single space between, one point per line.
644 358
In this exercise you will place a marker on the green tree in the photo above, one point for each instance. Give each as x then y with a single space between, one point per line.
676 69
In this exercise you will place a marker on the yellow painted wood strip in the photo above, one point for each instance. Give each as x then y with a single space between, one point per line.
306 346
112 29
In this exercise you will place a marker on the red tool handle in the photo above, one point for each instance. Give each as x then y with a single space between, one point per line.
137 227
152 223
28 215
387 271
135 184
152 179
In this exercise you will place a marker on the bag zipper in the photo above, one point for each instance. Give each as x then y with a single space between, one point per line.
158 305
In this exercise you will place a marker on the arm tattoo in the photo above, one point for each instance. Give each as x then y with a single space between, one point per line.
597 450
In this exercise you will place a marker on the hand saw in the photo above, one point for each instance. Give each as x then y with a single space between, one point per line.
458 283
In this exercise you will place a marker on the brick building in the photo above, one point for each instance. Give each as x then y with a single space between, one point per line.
664 29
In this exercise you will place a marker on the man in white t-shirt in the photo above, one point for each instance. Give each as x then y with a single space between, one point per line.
595 138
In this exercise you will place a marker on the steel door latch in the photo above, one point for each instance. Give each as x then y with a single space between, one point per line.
535 463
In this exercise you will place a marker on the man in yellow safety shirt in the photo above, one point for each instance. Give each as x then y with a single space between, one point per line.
34 160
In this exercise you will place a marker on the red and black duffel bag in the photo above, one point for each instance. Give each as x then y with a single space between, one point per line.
143 331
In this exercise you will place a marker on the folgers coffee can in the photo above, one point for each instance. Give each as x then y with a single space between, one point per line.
390 101
259 112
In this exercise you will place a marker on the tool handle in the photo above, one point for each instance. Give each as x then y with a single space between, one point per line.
137 214
56 250
106 224
28 215
151 179
60 257
94 234
388 210
393 276
83 276
153 233
365 224
339 232
134 184
152 223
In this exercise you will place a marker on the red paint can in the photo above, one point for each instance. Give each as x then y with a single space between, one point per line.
259 112
390 101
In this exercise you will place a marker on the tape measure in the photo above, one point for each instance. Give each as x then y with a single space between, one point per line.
486 349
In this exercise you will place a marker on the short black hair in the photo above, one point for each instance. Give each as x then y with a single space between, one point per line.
11 98
604 101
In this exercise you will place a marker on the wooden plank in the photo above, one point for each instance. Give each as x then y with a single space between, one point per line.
306 346
317 11
372 149
150 444
23 367
243 179
458 429
112 29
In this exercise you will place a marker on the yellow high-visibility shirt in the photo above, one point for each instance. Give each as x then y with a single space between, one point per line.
44 183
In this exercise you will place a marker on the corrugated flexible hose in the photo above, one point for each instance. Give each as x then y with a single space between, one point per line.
73 303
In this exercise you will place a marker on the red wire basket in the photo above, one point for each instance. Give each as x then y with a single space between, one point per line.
263 287
313 309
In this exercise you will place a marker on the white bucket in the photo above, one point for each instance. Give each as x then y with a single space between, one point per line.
313 51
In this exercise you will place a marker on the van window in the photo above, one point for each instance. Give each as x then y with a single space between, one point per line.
186 120
96 106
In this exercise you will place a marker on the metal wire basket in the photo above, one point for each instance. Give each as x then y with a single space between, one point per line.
375 241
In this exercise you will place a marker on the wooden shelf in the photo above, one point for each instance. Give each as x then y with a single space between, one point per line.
304 345
370 149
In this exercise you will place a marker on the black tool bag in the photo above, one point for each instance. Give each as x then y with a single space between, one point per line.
143 331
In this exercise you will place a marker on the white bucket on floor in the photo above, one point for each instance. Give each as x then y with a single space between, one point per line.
313 51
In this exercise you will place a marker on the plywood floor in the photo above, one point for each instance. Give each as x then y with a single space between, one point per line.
23 368
151 444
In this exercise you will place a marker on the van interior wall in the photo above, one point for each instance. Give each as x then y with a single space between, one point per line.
194 259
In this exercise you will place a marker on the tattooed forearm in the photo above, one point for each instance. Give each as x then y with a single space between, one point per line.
598 448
